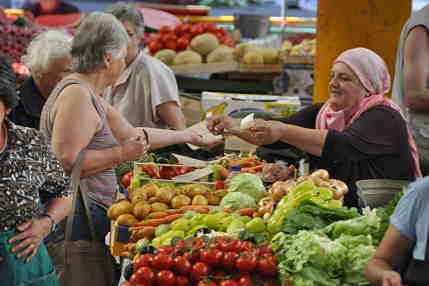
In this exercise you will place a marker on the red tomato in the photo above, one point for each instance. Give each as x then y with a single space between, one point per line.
220 185
165 249
145 276
245 280
212 257
182 265
181 281
143 260
126 283
180 244
126 179
199 270
171 37
221 31
229 259
165 278
183 43
165 30
246 263
267 267
207 283
171 45
167 172
219 276
195 243
154 47
228 283
192 256
162 262
246 245
197 30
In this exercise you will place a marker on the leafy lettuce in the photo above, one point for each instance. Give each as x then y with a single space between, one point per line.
236 201
248 184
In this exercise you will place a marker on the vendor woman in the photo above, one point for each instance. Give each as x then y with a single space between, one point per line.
28 172
357 134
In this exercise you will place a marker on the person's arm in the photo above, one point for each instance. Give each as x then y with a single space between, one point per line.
416 69
393 250
76 122
172 115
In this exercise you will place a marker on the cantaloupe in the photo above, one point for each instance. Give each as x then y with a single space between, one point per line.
221 54
166 56
187 58
204 44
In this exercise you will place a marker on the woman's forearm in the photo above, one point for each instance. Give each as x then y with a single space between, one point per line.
308 140
159 138
59 208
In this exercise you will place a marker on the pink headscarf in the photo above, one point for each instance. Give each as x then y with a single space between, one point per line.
374 76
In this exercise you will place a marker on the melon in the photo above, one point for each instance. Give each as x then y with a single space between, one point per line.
204 44
220 55
166 56
187 58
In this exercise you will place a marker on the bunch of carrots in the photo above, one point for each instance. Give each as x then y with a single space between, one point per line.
248 164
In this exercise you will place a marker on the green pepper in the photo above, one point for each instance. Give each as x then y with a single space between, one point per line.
256 225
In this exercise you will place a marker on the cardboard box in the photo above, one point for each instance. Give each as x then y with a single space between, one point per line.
239 105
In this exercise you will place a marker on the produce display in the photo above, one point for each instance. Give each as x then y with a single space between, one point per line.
250 53
201 38
205 261
300 45
308 237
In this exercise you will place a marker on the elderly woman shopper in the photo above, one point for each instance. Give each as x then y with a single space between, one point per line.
48 59
76 117
357 134
146 93
28 173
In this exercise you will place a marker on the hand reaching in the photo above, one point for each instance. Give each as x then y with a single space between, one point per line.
31 235
392 278
222 125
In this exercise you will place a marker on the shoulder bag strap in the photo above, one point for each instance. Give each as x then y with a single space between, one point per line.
78 195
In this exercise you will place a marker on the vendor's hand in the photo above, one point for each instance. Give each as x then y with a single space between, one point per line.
391 278
222 125
31 235
134 148
195 139
265 132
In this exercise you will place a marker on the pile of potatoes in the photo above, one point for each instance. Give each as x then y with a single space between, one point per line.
204 48
250 53
305 48
150 199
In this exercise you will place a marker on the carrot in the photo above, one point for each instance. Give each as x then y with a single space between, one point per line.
174 211
157 215
194 208
152 222
228 211
254 169
242 161
173 217
245 212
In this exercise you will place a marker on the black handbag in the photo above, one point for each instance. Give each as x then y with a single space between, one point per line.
417 271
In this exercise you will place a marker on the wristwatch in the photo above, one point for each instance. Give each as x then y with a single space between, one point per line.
53 224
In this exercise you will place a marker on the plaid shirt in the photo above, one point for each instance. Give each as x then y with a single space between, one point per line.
29 172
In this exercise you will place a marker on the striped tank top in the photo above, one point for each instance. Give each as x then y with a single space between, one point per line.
101 187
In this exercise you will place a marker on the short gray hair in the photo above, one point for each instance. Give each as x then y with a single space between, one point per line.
45 47
98 34
130 13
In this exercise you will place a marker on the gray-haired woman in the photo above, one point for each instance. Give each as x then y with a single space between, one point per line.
76 117
146 93
48 59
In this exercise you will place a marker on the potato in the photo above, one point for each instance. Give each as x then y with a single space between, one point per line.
254 58
166 56
150 189
119 208
204 43
137 195
199 200
141 209
187 58
180 201
159 207
164 195
197 189
220 55
220 193
270 55
152 200
127 220
213 199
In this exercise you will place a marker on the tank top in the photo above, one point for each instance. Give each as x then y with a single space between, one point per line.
101 187
418 121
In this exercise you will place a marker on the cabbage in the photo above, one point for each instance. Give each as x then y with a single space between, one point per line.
248 184
236 201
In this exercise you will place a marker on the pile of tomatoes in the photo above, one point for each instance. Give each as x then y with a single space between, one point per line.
179 38
205 262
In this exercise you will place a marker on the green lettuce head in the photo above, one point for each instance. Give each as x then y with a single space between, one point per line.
248 184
